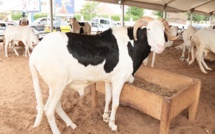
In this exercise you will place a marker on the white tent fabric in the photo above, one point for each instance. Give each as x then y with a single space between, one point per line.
206 7
195 6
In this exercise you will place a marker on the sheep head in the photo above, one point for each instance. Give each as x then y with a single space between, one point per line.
143 21
155 32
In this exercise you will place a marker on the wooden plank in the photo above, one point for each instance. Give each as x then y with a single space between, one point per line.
163 78
165 117
183 100
94 95
194 106
139 99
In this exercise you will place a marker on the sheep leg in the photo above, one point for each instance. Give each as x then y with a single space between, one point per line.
5 48
14 49
205 65
53 99
153 59
192 56
64 116
116 90
183 52
27 53
188 56
26 49
107 101
199 54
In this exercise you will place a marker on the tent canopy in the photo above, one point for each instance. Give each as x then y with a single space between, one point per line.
206 7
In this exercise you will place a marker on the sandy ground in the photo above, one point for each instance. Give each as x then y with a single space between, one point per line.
17 103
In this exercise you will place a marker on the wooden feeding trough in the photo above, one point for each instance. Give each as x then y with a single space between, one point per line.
163 108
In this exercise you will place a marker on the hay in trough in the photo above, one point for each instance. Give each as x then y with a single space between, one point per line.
152 87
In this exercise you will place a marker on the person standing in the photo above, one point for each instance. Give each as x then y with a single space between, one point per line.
23 21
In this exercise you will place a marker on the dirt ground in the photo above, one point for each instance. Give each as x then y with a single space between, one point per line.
18 103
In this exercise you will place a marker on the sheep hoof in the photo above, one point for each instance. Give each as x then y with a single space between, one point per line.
112 125
73 126
187 60
36 125
182 58
204 72
105 117
209 69
190 63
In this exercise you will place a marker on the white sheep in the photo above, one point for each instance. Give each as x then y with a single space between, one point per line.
187 34
78 60
204 42
80 27
173 33
169 35
14 34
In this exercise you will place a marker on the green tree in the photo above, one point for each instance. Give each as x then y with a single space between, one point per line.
135 12
115 17
198 17
16 16
39 15
89 10
3 16
159 14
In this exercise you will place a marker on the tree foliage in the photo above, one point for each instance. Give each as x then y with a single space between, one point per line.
159 14
16 16
3 16
39 15
135 12
89 10
198 18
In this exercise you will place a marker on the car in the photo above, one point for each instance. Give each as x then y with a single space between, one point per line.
105 22
39 24
59 25
97 28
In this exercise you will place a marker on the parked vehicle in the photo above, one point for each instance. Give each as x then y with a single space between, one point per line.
59 25
3 25
105 22
97 28
39 24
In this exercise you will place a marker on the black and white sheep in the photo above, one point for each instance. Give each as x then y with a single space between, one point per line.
78 60
80 27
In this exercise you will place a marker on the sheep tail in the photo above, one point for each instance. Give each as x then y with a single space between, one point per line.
38 95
